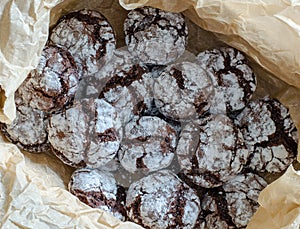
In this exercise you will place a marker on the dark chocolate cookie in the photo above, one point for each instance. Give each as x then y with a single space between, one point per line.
155 36
270 135
53 83
99 189
183 91
127 85
233 79
162 200
148 144
29 129
233 204
89 38
86 134
211 151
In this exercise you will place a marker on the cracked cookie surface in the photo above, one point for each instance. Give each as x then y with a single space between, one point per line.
162 200
211 151
155 36
232 77
98 189
88 36
270 135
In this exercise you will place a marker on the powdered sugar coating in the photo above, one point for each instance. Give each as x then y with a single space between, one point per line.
98 189
53 83
86 134
233 204
128 85
211 151
148 144
29 129
233 79
270 135
89 38
183 91
155 36
161 200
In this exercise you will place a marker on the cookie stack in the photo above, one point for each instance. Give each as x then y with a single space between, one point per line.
186 135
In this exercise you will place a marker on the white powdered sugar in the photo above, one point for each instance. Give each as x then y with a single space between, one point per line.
127 85
183 91
233 205
270 135
53 83
89 38
155 36
148 145
28 130
98 189
232 78
87 134
211 151
161 200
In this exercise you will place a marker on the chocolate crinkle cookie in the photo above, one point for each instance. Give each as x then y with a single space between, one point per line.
233 79
155 36
148 144
29 129
161 200
53 84
99 189
270 135
211 151
127 85
183 91
89 38
88 134
233 204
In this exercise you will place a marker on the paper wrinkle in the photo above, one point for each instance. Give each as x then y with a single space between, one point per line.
33 187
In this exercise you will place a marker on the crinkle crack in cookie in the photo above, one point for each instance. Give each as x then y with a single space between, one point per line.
99 189
127 85
233 79
161 200
183 91
148 144
53 83
86 134
155 36
270 135
233 204
211 151
89 38
29 129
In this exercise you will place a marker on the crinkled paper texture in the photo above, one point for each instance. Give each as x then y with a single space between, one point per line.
33 187
33 195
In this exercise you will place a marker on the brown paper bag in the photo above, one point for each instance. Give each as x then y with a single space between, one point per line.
33 187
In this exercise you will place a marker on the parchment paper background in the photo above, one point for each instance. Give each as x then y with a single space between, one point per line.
33 187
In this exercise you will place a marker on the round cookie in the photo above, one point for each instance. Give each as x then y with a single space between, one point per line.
211 151
29 129
53 83
233 204
148 144
183 91
99 189
232 77
89 38
155 36
86 134
126 85
161 200
270 134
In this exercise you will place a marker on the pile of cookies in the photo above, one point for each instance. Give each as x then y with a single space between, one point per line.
188 128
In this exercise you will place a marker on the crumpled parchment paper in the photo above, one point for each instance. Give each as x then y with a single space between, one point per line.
33 187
